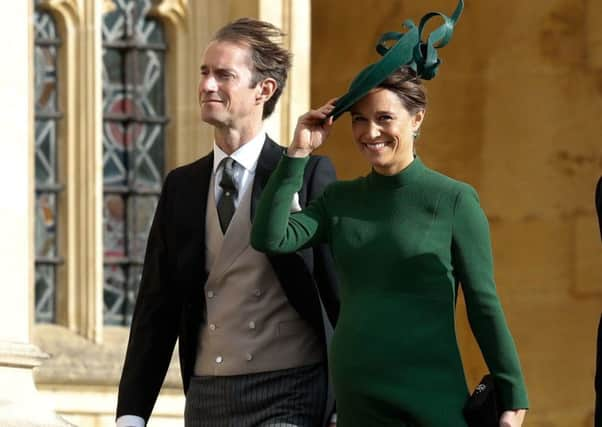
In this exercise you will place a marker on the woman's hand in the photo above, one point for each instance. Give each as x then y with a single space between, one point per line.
513 418
311 131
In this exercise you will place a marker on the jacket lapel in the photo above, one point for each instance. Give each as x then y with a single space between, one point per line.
200 182
268 160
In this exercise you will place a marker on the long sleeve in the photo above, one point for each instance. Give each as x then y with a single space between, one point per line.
473 265
319 175
275 229
154 326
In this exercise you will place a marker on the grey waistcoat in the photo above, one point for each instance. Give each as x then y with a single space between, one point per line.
251 326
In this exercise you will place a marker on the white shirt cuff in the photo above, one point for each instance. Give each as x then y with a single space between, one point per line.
295 206
130 421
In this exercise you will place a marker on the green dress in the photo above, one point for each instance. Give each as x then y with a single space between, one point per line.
401 244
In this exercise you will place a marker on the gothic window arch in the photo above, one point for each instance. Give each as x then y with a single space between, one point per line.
134 120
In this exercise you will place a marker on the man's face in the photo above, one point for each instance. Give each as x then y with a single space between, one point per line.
225 93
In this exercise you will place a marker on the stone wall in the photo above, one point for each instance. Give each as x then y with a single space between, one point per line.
515 111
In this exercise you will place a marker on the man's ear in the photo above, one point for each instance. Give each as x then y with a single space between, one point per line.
265 90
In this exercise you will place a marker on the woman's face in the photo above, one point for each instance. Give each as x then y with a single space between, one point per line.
384 130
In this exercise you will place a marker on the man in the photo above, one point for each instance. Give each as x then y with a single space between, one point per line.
251 329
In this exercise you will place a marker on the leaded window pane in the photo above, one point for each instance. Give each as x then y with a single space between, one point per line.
115 153
142 208
45 292
45 72
113 213
45 225
147 164
151 88
47 183
133 147
45 152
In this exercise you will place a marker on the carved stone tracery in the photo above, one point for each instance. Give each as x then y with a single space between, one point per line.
176 11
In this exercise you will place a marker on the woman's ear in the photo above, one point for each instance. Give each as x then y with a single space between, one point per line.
417 120
265 90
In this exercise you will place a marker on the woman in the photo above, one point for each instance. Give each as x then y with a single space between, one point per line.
402 237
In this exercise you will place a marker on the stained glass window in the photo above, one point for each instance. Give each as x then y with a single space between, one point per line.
47 183
133 147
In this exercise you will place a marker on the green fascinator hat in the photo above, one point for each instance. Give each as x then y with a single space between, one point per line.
409 50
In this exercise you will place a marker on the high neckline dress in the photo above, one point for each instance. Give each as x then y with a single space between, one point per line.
402 245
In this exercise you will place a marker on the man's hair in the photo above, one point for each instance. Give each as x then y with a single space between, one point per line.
269 58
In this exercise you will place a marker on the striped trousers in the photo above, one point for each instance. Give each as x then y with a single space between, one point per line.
293 397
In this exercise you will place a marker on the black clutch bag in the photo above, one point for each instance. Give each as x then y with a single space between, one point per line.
482 408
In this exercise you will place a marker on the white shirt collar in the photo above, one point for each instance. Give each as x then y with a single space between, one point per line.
247 154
